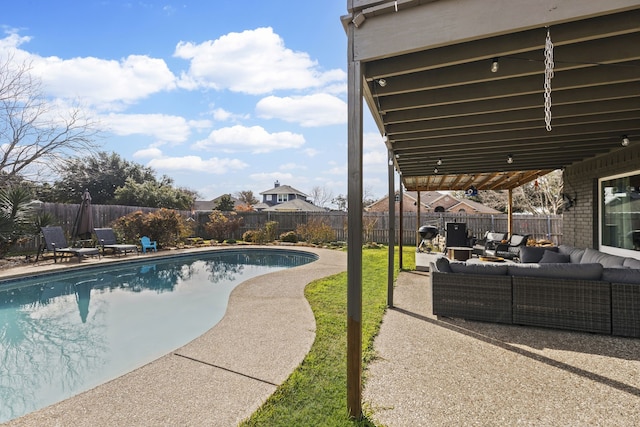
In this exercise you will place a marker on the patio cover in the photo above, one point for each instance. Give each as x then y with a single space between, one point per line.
439 99
424 69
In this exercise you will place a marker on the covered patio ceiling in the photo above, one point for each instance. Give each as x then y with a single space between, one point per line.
451 123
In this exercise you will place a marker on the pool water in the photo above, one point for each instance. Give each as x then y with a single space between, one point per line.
64 333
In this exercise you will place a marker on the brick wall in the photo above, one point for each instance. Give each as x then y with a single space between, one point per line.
580 182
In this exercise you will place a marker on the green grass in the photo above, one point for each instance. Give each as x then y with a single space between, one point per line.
316 393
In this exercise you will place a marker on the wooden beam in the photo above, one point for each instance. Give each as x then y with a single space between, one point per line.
392 229
354 239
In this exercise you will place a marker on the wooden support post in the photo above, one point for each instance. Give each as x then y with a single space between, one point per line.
354 238
392 231
401 225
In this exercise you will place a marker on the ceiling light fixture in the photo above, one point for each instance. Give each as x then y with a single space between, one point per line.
382 82
435 170
494 65
439 162
625 141
510 159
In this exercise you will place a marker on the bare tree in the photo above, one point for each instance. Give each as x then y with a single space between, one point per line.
321 196
246 197
34 135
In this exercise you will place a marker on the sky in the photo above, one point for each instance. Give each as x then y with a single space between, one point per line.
220 95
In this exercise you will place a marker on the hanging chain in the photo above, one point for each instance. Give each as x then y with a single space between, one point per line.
548 75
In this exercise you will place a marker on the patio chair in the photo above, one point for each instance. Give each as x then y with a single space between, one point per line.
511 249
55 242
107 240
148 244
488 242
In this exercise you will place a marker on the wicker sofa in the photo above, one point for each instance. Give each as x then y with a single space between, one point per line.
562 287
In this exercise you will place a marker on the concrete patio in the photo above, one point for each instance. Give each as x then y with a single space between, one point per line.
445 372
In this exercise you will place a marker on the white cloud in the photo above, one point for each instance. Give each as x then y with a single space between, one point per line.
375 158
254 138
163 127
319 109
222 115
100 83
253 62
311 152
148 153
104 83
213 165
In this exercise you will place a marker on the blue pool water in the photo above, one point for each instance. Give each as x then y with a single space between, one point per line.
64 333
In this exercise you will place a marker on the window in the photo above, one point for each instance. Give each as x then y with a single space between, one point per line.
619 215
283 198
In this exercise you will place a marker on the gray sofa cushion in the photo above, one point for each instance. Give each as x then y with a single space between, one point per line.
442 265
558 271
631 263
575 254
534 253
607 260
551 257
621 275
484 269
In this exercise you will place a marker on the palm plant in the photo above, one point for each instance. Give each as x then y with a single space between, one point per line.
17 214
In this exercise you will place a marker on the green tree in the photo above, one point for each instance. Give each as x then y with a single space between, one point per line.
102 174
154 194
225 203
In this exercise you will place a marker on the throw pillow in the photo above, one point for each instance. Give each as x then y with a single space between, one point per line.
534 253
551 257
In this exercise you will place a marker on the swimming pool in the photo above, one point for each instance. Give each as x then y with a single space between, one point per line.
64 333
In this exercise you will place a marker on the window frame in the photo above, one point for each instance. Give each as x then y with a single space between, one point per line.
601 246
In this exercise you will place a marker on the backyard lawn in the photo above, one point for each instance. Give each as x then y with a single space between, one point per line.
316 393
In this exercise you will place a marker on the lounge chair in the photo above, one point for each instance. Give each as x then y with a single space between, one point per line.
488 242
107 240
148 244
511 249
54 241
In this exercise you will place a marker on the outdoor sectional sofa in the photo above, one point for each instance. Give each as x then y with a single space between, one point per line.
561 287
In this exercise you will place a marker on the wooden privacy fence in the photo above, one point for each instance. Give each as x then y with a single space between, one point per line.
375 224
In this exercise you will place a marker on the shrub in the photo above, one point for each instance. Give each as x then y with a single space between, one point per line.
289 236
254 236
270 231
316 231
222 225
166 226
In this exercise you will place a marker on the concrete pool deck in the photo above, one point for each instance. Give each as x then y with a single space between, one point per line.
218 379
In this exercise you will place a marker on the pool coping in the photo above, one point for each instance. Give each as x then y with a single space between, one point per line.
221 377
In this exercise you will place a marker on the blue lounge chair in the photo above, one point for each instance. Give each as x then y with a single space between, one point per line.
148 244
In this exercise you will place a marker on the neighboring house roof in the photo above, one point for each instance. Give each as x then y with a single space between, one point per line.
209 205
260 206
295 205
284 189
430 200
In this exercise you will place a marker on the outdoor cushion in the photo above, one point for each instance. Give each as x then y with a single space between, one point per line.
534 253
575 254
551 257
442 265
485 269
607 260
558 271
631 263
621 275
